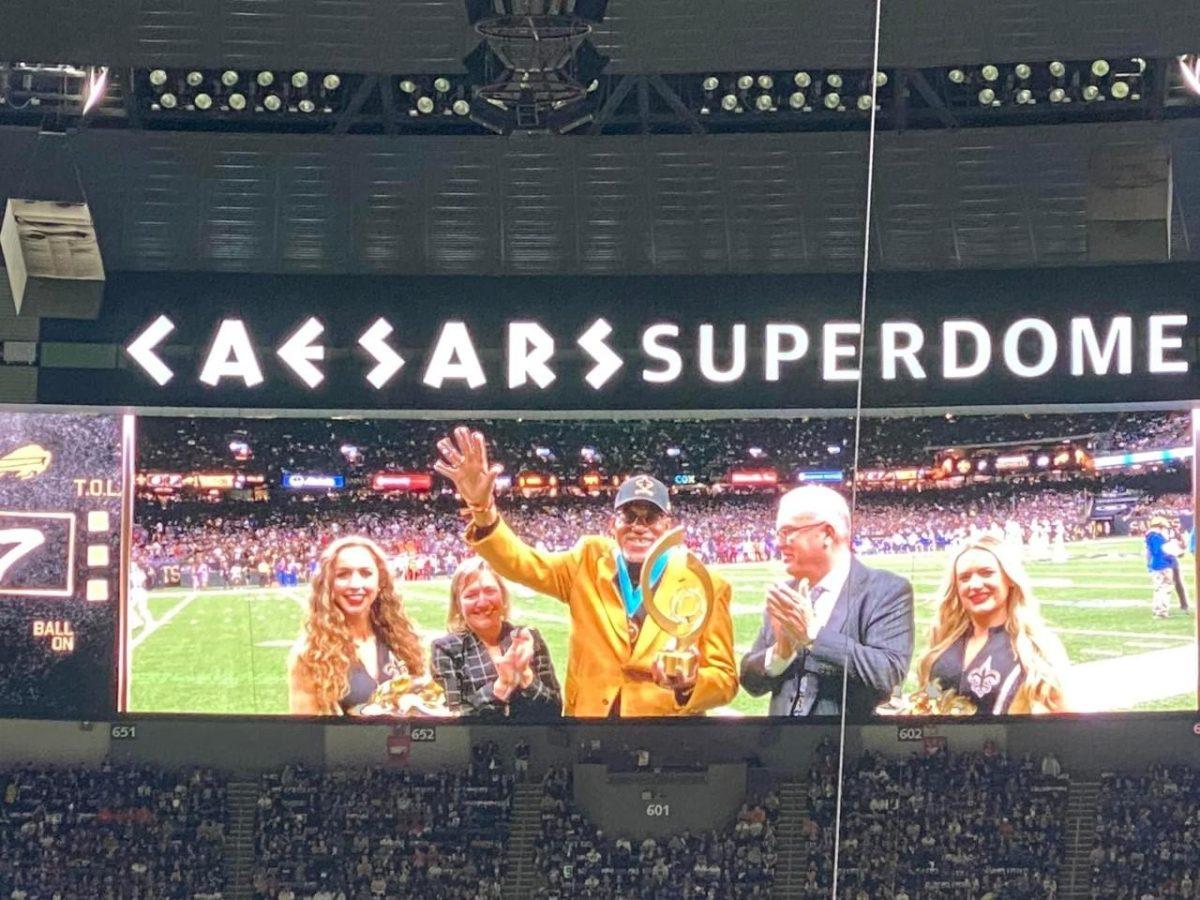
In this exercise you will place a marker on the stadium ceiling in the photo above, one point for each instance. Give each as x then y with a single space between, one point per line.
665 204
639 36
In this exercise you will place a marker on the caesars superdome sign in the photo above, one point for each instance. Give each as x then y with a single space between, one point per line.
652 344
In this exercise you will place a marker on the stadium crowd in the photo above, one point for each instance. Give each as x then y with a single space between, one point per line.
383 832
1147 841
707 448
114 831
937 826
577 859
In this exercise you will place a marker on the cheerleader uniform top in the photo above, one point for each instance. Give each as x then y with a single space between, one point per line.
991 679
362 684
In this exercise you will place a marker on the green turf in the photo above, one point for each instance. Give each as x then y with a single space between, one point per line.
225 651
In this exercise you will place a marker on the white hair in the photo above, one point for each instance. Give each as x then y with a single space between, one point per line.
815 503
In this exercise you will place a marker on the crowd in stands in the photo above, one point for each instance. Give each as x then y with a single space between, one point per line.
346 835
1147 841
706 448
577 859
109 832
936 826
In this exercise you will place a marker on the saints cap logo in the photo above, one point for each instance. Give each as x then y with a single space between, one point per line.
643 486
26 462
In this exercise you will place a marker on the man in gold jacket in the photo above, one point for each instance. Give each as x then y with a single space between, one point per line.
612 669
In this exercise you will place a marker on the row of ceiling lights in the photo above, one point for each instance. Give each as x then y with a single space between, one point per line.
230 89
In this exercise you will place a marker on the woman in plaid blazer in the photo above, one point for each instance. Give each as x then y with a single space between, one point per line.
486 665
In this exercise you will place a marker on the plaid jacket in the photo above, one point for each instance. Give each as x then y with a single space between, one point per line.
464 669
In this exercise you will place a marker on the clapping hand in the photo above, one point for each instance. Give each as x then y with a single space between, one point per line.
465 462
791 613
513 667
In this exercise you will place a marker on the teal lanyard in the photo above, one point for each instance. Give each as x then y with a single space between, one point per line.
630 595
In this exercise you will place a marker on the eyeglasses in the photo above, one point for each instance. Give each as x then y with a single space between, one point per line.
631 516
786 532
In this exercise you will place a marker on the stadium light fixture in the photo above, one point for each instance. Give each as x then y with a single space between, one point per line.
745 82
331 82
194 78
299 80
272 103
797 100
96 86
306 106
265 79
990 72
1100 68
834 80
1024 96
1189 71
764 103
203 101
956 76
167 101
158 77
711 83
1091 92
881 79
441 84
802 79
1058 69
461 107
987 97
766 82
1058 95
425 105
864 102
1119 90
1022 71
237 101
229 78
408 86
729 102
832 100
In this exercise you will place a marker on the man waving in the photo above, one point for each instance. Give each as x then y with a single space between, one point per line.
612 668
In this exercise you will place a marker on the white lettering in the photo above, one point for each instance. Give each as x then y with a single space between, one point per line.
1118 342
952 364
1012 344
530 347
775 353
454 358
737 364
143 346
893 351
231 356
833 350
668 355
388 361
299 352
1161 342
607 362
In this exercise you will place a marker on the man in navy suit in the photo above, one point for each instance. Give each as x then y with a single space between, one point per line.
853 621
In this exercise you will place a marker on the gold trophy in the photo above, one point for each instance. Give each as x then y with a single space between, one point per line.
680 604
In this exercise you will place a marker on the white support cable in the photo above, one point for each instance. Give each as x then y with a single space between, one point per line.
858 404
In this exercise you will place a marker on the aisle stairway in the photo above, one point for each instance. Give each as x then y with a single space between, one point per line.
521 878
239 842
1075 880
790 866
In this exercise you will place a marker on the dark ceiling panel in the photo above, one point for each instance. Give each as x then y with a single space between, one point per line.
641 36
997 197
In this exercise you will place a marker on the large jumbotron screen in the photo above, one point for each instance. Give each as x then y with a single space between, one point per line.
230 608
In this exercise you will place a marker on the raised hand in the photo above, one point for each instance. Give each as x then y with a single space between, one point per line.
465 462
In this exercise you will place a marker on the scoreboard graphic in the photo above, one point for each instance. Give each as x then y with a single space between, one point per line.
62 518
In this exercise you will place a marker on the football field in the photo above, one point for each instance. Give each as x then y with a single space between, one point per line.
224 651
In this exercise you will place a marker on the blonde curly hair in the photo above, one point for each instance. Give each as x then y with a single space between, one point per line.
327 646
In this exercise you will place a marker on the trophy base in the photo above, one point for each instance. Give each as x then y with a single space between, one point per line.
678 663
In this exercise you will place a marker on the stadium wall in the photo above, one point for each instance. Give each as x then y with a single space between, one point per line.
54 743
656 804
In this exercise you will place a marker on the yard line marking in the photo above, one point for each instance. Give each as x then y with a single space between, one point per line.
162 620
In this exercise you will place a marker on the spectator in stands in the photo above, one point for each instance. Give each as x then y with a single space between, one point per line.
612 668
356 635
989 641
486 665
835 616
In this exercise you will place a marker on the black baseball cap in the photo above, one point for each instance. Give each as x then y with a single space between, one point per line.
645 488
